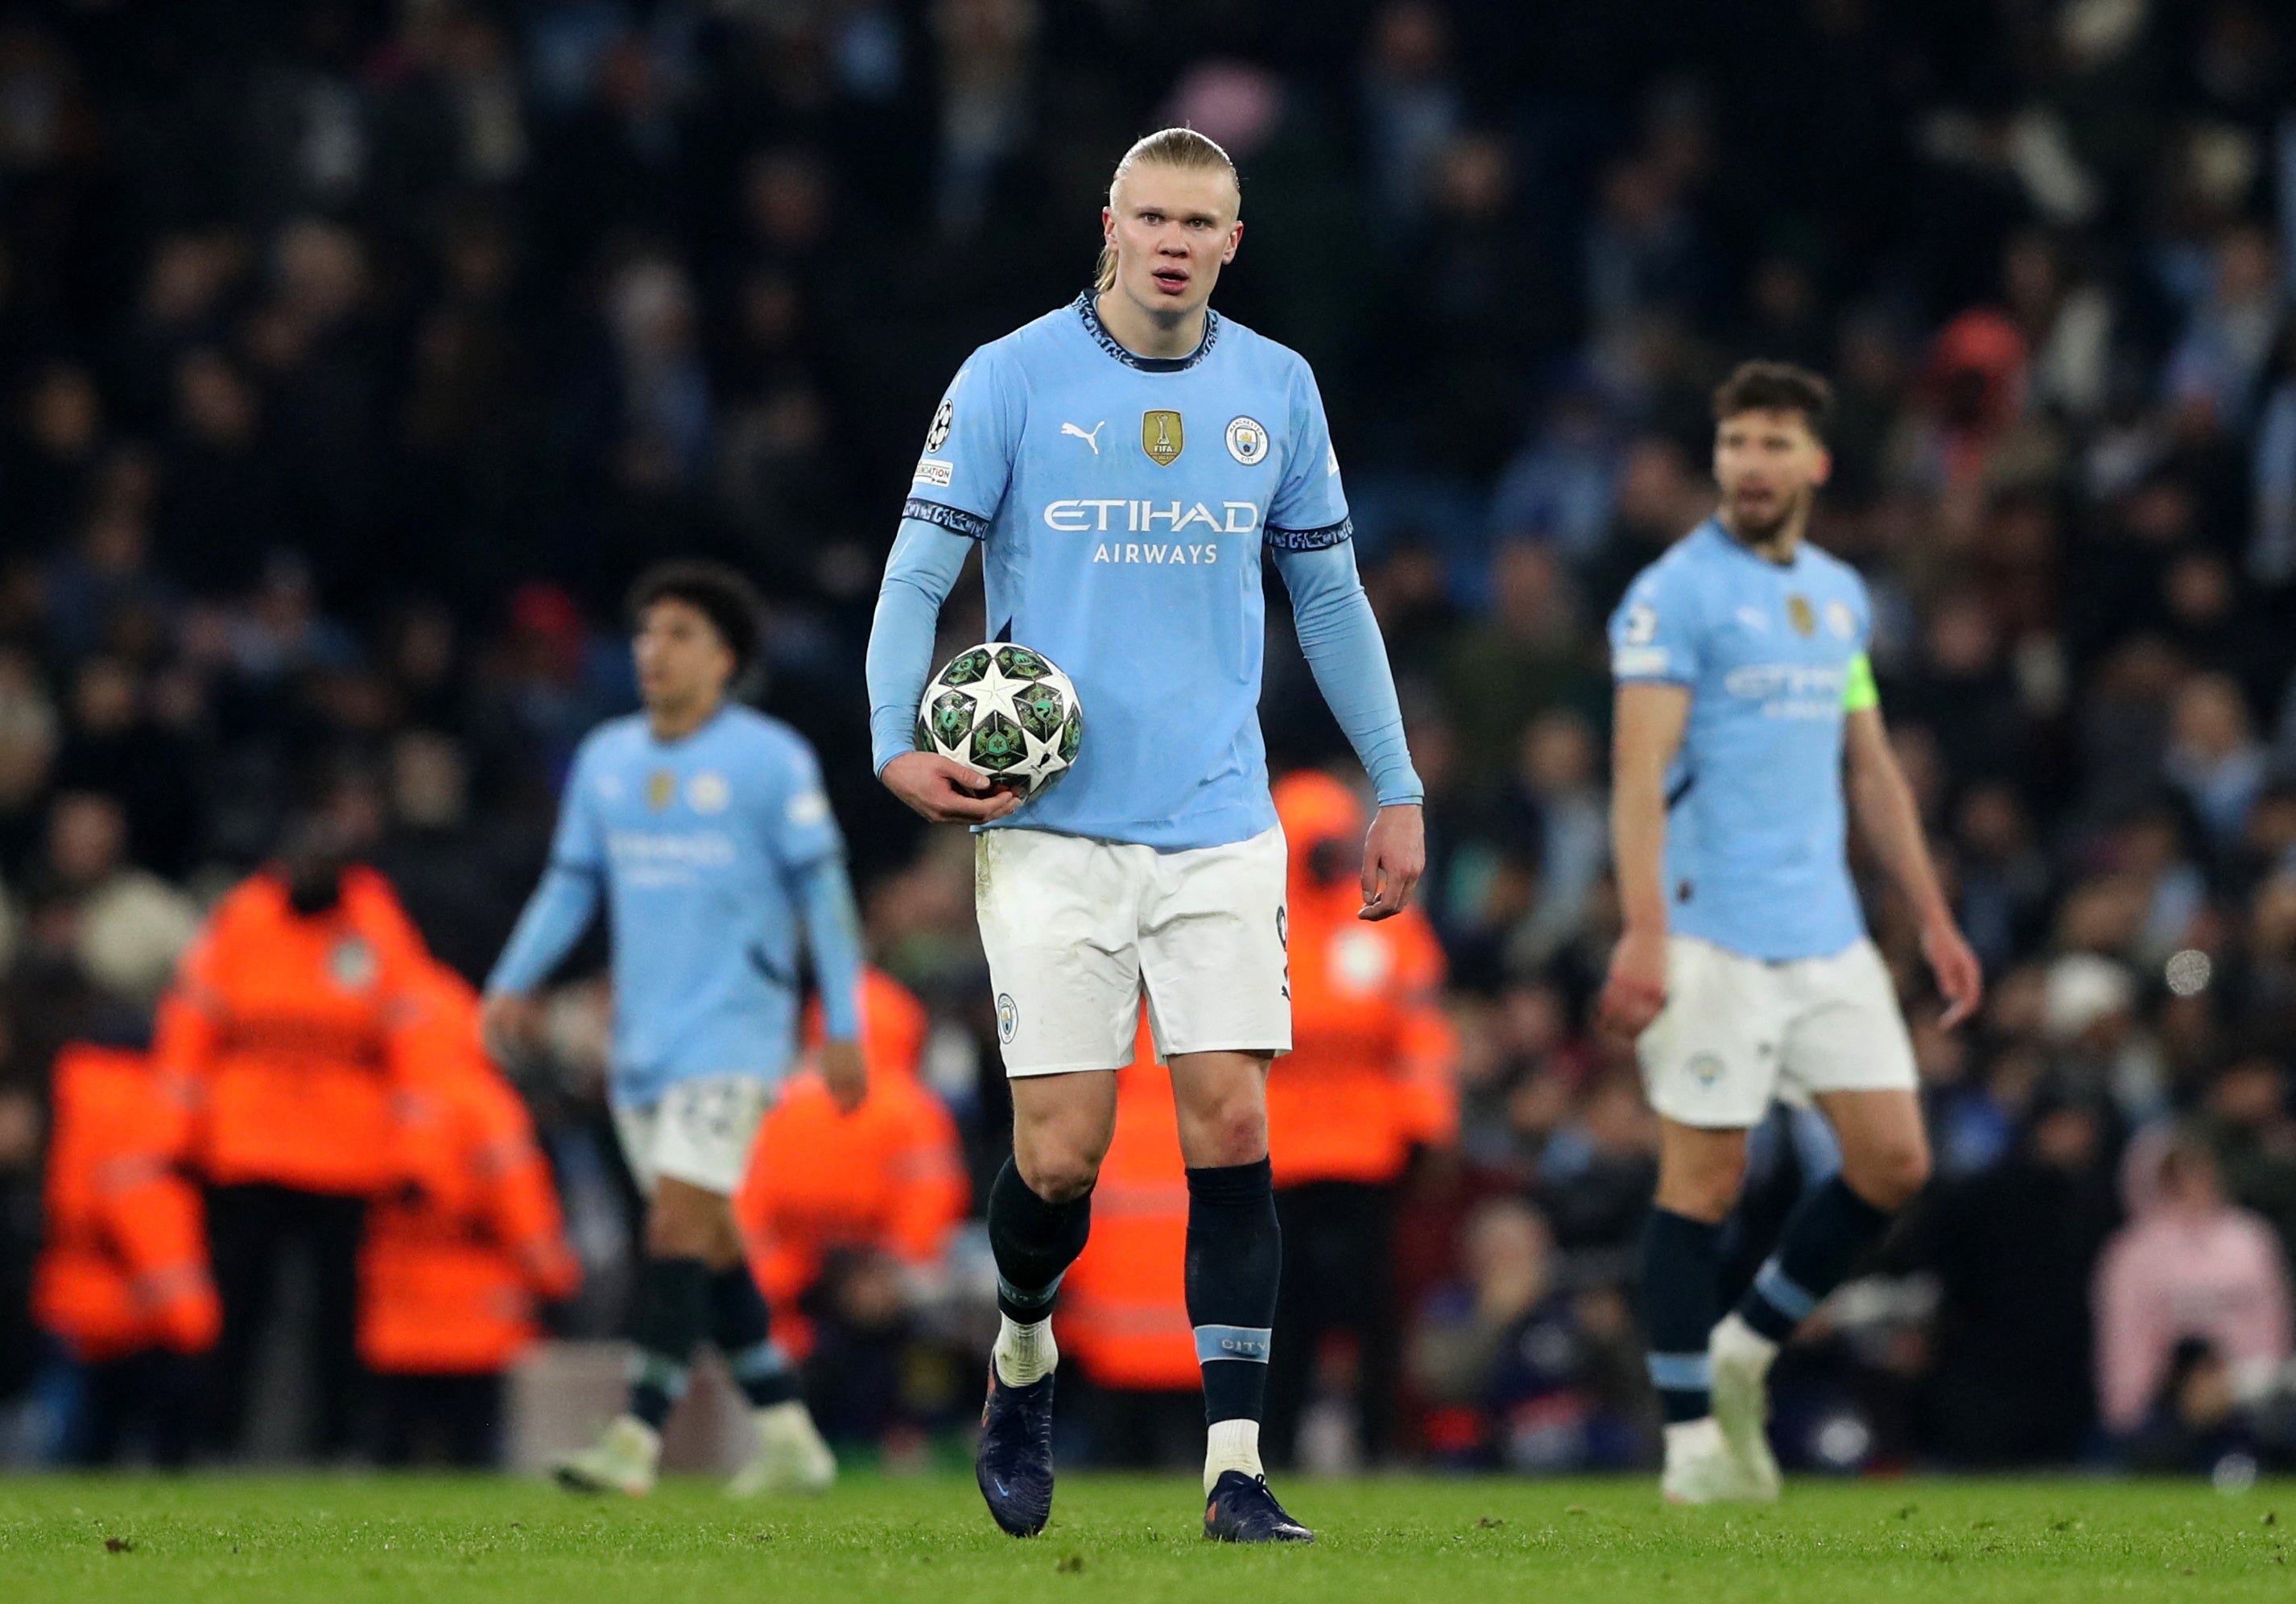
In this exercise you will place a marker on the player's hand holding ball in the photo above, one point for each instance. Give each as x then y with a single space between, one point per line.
1636 990
997 725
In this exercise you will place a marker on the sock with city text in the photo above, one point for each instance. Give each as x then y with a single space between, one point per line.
1236 1252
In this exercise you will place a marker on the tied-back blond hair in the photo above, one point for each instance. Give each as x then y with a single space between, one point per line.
1182 148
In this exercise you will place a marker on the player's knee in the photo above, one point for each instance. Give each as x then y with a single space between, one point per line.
1888 1175
1062 1175
1706 1189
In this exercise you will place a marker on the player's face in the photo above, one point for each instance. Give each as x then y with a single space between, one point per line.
1172 229
682 660
1769 465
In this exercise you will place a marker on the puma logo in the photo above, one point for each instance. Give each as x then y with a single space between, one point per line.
1092 439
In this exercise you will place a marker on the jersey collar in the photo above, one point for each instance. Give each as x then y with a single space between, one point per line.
1088 309
1730 542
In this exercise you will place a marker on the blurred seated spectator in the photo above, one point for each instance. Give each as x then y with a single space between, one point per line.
2252 1132
1526 1373
465 1243
2196 1420
848 1215
2189 1264
2014 1250
124 925
122 1287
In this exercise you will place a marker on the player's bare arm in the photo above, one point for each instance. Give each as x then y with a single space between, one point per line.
1883 804
1648 722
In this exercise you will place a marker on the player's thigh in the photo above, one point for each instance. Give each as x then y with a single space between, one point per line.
704 1128
1221 1101
1057 920
1062 1126
1213 933
1710 1060
634 1128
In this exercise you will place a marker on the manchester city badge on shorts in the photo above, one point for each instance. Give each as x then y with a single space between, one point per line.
1160 437
1706 1069
1008 1016
1247 442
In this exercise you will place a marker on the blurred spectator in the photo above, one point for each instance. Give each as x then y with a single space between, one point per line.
2188 1266
125 927
1526 1374
291 1020
1367 1083
461 1246
123 1287
846 1218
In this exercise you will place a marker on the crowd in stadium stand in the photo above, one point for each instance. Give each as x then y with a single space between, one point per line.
352 356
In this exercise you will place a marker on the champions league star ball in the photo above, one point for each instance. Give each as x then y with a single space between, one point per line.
1006 712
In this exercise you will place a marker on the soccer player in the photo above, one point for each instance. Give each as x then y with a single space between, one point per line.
703 826
1746 719
1122 463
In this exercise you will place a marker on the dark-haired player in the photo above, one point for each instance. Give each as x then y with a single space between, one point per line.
702 826
1748 731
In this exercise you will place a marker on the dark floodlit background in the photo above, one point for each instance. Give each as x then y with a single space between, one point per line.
354 356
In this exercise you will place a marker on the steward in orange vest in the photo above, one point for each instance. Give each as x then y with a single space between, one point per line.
122 1281
1369 1080
1123 1313
286 1017
887 1179
462 1247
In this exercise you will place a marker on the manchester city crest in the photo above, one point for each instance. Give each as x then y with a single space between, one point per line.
1008 1016
1247 442
1160 437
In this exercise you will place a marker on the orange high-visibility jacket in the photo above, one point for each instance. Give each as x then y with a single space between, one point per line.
284 1024
1123 1309
889 1176
468 1237
1371 1070
124 1266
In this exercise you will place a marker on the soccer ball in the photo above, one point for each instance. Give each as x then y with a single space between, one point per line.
1006 712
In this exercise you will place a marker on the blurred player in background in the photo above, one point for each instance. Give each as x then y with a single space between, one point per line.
703 827
1123 464
1747 719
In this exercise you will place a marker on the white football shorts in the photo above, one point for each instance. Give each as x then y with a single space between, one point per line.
1077 929
700 1133
1738 1032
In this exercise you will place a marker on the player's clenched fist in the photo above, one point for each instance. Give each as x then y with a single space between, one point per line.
945 792
1637 989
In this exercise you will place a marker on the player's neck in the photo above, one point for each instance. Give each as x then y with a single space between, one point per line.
677 722
1144 334
1780 545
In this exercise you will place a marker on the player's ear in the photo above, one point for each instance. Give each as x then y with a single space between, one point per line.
1107 226
1234 238
1824 466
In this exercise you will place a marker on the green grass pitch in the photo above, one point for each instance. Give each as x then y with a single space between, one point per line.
345 1540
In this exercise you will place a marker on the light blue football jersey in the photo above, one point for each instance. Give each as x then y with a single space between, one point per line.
696 844
1756 858
1123 505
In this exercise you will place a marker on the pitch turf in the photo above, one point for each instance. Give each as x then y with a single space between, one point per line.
347 1540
